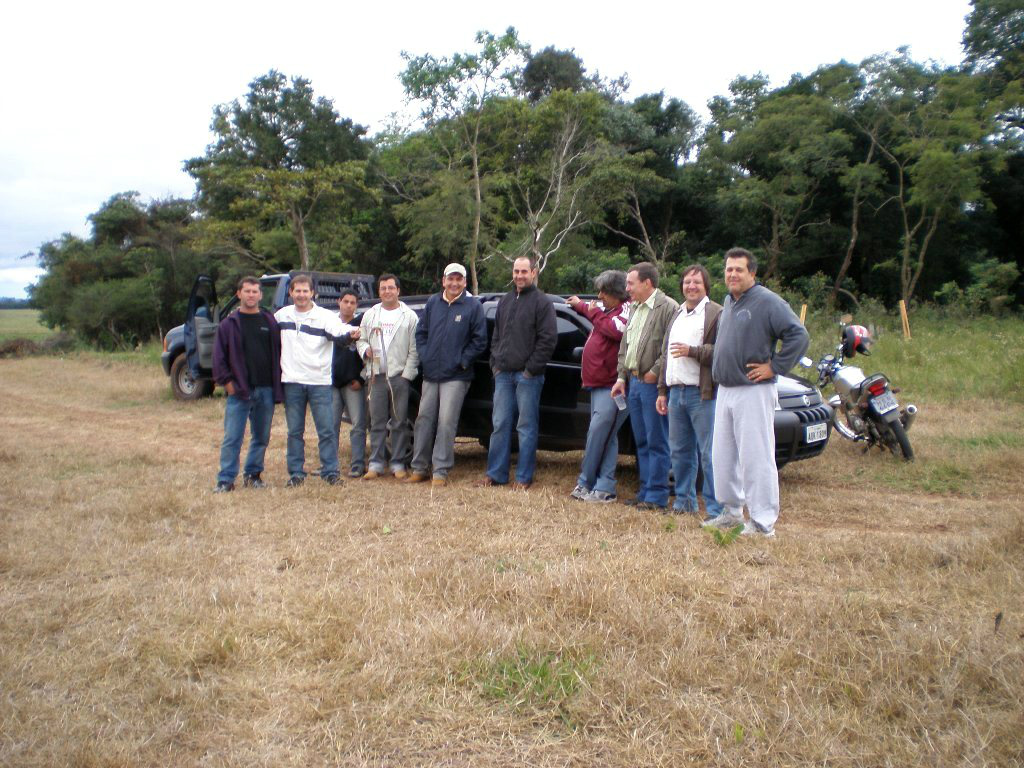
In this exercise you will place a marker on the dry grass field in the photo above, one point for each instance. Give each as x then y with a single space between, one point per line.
146 621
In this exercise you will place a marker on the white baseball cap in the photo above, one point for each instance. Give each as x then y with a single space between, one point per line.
454 267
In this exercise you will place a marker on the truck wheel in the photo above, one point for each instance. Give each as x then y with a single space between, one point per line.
183 385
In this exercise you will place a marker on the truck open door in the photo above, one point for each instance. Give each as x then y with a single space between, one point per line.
201 327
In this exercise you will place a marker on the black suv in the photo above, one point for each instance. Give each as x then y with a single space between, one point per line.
803 421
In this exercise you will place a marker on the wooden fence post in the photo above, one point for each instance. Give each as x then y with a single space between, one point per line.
905 319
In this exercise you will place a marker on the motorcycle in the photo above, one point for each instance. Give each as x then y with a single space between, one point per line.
865 409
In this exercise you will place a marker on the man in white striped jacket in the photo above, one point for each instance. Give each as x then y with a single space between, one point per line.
308 333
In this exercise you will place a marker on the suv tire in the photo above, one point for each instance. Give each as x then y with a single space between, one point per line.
183 385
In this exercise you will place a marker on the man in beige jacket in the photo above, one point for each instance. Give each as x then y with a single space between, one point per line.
639 367
387 343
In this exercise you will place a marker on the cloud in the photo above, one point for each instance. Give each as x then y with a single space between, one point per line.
13 280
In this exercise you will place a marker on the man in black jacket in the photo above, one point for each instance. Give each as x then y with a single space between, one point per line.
349 394
523 342
247 363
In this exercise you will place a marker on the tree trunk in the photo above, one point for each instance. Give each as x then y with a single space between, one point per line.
774 247
933 225
478 205
299 231
854 232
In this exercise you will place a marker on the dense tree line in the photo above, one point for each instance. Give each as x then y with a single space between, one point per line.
890 178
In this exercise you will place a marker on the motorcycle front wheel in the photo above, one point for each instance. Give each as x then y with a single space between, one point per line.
895 437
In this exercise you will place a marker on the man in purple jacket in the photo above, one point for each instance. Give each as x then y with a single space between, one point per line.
247 363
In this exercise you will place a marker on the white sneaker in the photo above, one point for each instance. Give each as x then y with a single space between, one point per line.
580 493
601 497
723 522
756 529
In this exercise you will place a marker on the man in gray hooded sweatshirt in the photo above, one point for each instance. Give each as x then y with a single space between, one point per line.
745 365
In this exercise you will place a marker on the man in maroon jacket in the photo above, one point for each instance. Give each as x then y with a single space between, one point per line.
600 369
247 363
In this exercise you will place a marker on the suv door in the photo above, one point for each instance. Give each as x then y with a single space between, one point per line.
201 327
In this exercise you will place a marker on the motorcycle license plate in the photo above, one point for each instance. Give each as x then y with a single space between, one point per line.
815 433
884 403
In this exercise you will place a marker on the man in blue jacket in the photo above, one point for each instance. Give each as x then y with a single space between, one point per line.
247 363
451 335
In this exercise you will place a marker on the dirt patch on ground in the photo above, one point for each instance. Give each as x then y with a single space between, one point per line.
146 620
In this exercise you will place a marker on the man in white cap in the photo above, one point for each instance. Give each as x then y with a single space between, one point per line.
450 336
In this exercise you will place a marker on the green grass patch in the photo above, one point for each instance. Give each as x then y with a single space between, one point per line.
943 477
994 441
530 678
945 360
146 354
22 324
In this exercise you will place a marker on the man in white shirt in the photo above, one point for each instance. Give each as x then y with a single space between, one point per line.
686 391
388 345
308 333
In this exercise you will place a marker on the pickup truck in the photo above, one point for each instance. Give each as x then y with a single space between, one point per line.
188 348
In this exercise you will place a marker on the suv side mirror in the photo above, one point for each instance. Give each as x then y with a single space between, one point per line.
577 354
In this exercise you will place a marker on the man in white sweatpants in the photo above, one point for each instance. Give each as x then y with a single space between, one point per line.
745 365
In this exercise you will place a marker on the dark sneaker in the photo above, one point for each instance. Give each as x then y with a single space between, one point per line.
634 502
295 481
650 506
223 487
332 479
355 472
253 481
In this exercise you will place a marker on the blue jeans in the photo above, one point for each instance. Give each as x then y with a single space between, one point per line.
650 431
516 402
258 410
321 403
353 401
691 427
601 455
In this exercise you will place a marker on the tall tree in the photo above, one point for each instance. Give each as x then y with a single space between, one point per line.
659 133
782 146
553 70
456 89
277 158
929 127
994 50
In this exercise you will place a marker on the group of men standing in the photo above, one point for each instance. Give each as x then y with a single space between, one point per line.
697 380
305 355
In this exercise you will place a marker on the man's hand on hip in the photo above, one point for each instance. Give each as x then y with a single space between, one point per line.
760 372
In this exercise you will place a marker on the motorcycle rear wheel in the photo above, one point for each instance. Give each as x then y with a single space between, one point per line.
896 438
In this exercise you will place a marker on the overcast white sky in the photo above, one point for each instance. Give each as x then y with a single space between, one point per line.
105 97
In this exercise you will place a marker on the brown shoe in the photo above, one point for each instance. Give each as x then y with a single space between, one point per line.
401 474
521 486
438 481
487 482
371 475
415 477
